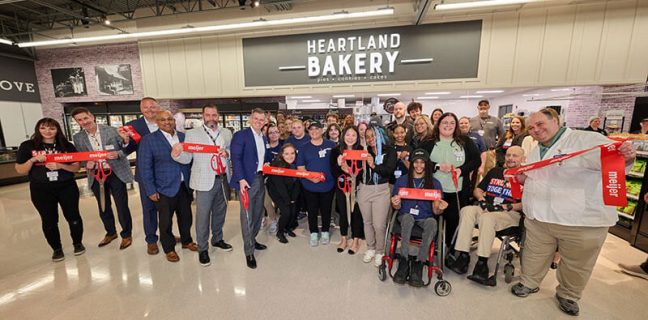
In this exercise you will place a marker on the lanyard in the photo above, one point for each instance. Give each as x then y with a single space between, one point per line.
419 186
211 137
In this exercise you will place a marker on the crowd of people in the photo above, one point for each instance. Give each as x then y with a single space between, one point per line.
464 158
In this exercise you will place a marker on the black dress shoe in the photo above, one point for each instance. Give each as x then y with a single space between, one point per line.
282 238
251 262
291 233
259 246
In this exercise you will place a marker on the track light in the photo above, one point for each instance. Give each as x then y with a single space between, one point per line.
254 3
241 4
5 41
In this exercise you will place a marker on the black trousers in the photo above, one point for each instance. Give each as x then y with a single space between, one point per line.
357 224
287 213
181 205
319 203
120 194
46 197
451 215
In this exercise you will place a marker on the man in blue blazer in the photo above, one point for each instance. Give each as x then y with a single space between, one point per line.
145 125
247 153
166 183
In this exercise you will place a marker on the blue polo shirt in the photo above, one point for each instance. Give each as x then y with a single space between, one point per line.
298 143
424 207
317 159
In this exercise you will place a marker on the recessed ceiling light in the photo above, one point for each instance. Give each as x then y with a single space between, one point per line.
344 96
312 100
435 93
471 96
388 94
426 98
489 91
531 95
562 89
300 97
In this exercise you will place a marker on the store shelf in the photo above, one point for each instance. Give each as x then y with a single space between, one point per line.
635 174
632 197
642 154
625 215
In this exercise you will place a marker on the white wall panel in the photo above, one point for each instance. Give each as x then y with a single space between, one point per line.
529 47
557 44
572 44
617 32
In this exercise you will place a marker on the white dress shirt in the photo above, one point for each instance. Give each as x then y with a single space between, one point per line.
260 146
151 126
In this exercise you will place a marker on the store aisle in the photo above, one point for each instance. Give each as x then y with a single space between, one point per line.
292 281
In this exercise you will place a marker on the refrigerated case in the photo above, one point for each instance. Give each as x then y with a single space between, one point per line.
113 120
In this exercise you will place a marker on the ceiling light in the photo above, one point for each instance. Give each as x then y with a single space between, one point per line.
426 98
344 96
388 94
479 4
469 96
435 93
107 22
5 41
254 3
214 28
311 100
489 91
562 89
531 95
300 97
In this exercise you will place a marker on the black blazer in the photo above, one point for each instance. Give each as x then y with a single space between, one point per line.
282 190
385 170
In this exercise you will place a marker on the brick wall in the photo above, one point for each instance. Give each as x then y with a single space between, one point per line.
591 101
86 57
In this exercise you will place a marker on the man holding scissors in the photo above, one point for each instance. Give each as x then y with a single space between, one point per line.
96 137
209 179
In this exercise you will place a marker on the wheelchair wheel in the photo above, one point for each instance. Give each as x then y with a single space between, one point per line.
382 272
442 288
509 272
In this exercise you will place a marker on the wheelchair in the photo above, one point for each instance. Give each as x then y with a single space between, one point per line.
441 287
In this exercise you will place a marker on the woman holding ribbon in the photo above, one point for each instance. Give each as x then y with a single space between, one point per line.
416 212
342 170
373 192
284 191
52 184
454 156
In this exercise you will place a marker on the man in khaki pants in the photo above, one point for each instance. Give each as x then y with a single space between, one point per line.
564 208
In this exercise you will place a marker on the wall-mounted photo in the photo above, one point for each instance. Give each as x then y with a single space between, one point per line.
69 82
113 80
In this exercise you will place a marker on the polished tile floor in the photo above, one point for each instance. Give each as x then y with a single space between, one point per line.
292 281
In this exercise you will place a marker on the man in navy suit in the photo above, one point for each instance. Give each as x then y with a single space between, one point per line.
166 183
248 149
145 125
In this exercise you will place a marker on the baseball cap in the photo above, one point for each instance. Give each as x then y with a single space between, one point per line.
316 124
420 154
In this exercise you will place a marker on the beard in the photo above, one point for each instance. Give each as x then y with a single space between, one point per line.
211 124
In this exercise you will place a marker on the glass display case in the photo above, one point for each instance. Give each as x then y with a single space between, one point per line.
8 173
233 121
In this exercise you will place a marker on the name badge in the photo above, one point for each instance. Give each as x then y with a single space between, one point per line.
52 175
480 132
322 153
267 146
110 147
414 211
498 200
459 155
398 173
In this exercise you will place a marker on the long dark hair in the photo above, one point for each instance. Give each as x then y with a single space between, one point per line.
342 144
49 122
428 175
280 159
456 135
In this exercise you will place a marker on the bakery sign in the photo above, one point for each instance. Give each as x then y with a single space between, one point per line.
18 80
432 51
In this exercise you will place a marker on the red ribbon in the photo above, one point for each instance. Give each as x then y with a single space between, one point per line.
245 200
420 194
455 179
200 148
77 156
132 133
612 170
355 155
293 173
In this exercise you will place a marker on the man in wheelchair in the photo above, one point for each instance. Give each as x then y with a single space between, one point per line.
496 210
413 213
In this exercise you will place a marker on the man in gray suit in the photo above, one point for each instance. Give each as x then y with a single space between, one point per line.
96 137
212 191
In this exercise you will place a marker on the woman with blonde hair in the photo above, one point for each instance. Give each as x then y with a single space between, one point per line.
422 132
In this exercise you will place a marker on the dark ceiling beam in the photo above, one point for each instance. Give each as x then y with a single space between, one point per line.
74 14
98 8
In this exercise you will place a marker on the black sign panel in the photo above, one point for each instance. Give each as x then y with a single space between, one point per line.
18 80
432 51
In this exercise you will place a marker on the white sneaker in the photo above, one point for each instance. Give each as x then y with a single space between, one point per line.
325 239
314 241
378 260
369 255
273 227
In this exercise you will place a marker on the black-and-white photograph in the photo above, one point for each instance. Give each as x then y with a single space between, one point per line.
114 80
69 82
